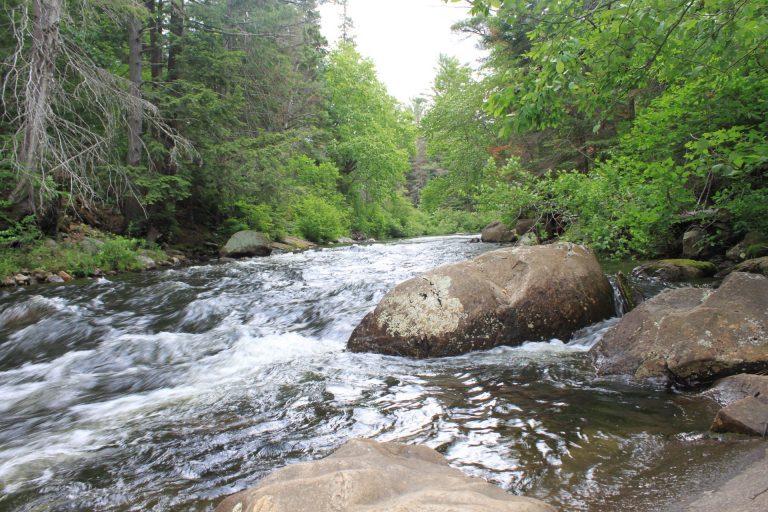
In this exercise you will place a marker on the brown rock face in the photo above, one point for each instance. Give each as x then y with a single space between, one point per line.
502 297
692 335
497 232
366 476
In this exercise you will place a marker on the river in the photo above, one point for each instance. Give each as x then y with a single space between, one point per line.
168 390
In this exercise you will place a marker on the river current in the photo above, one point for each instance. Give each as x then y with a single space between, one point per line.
171 389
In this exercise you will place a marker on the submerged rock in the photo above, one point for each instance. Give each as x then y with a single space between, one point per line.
247 243
497 232
677 269
503 297
691 335
367 476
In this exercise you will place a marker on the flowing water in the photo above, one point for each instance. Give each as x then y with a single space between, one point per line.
169 390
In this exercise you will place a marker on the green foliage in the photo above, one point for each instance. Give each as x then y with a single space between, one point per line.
448 221
22 232
371 139
319 221
244 215
114 254
663 102
757 250
118 253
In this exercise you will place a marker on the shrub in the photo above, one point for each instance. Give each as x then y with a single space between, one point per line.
320 221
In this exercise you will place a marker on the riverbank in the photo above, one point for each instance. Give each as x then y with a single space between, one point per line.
83 251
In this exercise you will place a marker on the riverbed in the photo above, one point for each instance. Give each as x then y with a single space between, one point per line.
169 390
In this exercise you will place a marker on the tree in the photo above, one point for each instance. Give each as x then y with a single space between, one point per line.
67 110
371 135
458 133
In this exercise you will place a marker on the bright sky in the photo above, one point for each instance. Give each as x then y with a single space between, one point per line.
404 38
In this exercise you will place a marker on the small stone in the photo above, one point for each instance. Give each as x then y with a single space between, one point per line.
21 279
53 278
64 276
9 281
147 262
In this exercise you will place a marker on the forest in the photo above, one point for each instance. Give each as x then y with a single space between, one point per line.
170 122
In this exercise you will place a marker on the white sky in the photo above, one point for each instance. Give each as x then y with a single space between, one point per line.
404 38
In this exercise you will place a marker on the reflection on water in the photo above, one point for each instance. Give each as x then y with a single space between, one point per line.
169 390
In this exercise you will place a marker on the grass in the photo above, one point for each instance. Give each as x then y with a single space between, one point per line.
113 253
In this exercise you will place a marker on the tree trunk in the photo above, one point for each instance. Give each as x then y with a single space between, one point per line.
130 206
155 29
134 75
45 48
177 32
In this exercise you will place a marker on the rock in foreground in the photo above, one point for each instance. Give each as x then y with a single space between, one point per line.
366 476
503 297
690 336
247 243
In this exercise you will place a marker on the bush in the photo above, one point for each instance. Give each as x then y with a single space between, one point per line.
118 254
320 221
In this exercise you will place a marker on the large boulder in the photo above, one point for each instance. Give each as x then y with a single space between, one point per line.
367 476
503 297
497 232
247 243
689 336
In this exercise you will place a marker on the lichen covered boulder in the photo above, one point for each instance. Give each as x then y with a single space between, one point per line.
247 243
503 297
367 476
690 336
